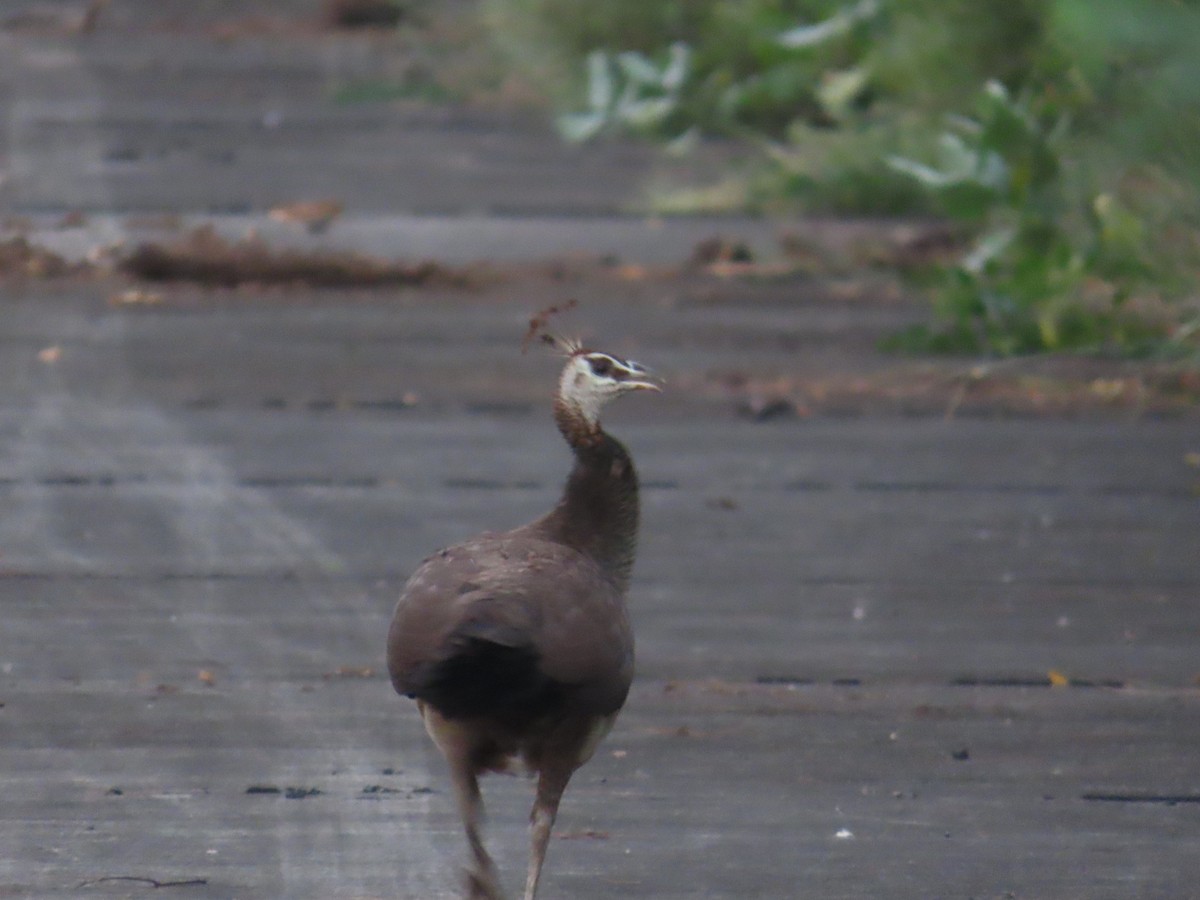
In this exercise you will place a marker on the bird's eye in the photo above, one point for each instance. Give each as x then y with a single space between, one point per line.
601 365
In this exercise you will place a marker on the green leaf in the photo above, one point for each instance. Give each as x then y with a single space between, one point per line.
833 27
644 113
1048 331
956 157
988 249
600 84
839 90
638 69
677 68
968 201
685 143
579 127
927 175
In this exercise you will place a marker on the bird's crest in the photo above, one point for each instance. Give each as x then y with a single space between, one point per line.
539 331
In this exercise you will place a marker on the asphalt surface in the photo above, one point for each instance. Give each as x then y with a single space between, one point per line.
887 653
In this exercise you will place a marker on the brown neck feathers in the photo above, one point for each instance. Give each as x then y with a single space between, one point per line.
598 511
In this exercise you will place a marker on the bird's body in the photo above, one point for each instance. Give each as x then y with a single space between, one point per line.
504 657
517 645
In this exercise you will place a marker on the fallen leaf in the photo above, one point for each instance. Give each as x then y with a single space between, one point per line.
717 249
203 257
1058 679
136 297
632 272
207 677
1108 388
315 215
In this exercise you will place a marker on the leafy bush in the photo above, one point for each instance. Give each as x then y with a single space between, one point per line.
627 91
754 66
844 170
1083 191
1032 282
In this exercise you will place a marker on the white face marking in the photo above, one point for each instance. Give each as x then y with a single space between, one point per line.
592 379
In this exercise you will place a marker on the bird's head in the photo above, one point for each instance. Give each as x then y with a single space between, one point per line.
592 378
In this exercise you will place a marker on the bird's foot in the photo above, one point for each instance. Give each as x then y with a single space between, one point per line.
482 886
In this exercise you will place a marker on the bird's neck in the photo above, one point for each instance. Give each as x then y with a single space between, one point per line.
598 511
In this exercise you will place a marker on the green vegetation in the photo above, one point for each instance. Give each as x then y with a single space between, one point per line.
1075 178
1032 281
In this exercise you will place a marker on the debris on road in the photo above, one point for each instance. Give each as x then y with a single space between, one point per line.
205 258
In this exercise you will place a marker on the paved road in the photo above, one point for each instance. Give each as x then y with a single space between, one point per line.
236 109
846 626
880 655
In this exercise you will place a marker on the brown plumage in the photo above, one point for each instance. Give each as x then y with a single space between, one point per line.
517 646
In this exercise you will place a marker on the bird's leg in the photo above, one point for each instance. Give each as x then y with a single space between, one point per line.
551 785
461 753
481 877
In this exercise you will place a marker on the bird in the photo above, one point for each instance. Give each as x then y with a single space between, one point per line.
517 646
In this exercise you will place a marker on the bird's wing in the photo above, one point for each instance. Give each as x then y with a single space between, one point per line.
505 600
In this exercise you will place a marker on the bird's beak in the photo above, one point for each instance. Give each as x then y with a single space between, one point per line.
645 381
